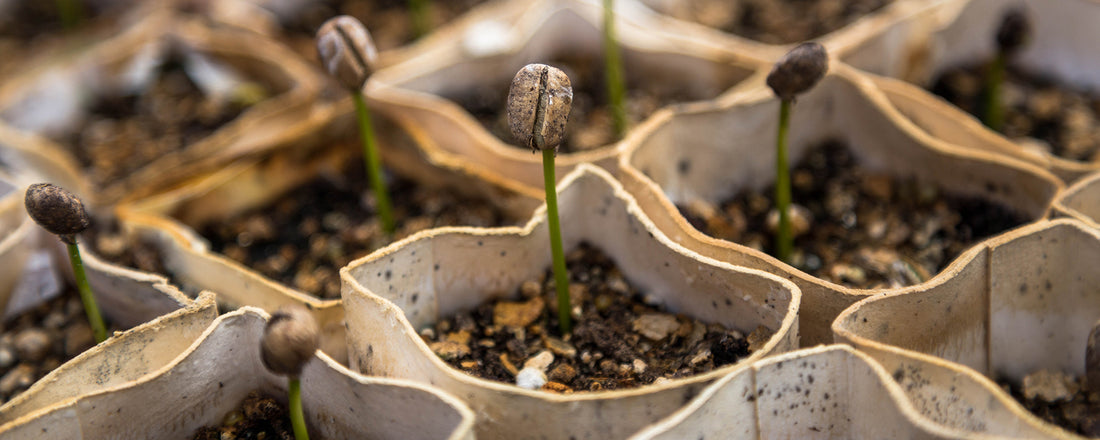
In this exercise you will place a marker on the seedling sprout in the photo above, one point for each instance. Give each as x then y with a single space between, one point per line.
290 339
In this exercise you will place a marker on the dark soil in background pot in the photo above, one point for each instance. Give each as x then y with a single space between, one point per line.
122 133
258 417
24 22
589 125
304 239
1059 399
864 230
773 21
109 243
40 340
618 342
1067 121
387 20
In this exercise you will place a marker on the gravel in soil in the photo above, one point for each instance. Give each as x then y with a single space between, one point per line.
590 124
40 340
618 342
773 21
1062 121
258 417
1060 399
124 132
304 238
857 228
387 20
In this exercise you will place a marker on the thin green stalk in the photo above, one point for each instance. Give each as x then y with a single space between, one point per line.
70 12
994 108
418 14
374 164
86 296
783 239
297 416
613 71
561 277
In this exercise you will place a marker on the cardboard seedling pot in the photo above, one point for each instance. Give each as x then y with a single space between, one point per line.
494 42
712 151
391 294
214 375
1020 302
821 392
1081 201
1061 47
51 99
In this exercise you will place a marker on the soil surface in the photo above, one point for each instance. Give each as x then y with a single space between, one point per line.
105 238
859 229
258 417
1059 399
590 124
619 341
123 133
1063 121
387 21
305 238
772 21
40 340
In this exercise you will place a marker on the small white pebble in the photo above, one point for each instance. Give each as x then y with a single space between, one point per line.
530 378
639 366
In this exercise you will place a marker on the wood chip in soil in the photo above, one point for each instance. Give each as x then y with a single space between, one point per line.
40 340
258 417
773 21
1061 120
859 229
122 133
303 239
1059 399
618 342
589 125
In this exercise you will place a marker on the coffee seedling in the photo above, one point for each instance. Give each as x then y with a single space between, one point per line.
613 71
62 213
418 17
348 53
1013 33
539 102
70 12
290 339
794 74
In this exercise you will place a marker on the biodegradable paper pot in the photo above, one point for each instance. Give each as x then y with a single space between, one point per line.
211 378
411 284
711 152
18 242
50 100
122 358
1081 201
1062 47
495 42
1020 302
822 392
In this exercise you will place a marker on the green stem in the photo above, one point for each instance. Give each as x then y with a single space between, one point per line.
994 108
86 296
70 13
783 239
297 416
418 14
374 164
561 277
613 71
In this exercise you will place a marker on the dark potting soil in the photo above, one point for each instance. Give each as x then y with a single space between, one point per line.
258 417
40 340
123 133
619 341
863 230
304 239
387 21
1077 410
1067 121
106 239
590 124
773 21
